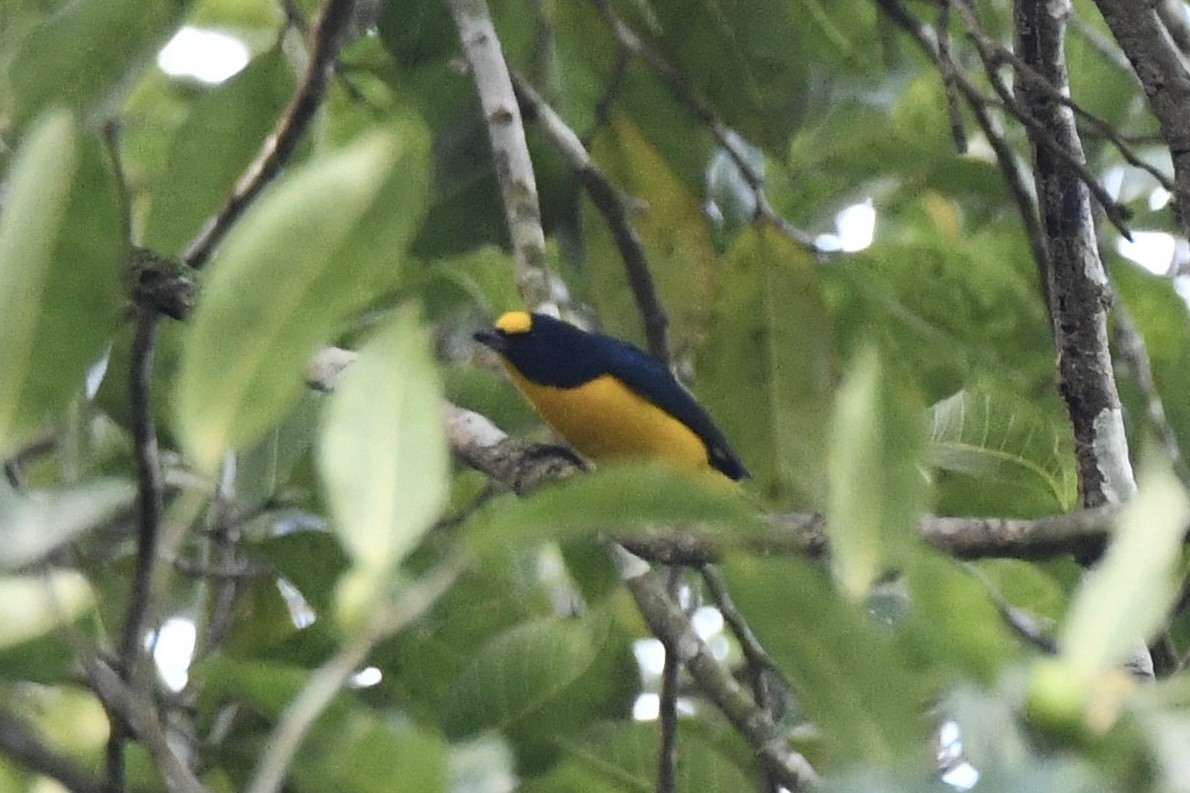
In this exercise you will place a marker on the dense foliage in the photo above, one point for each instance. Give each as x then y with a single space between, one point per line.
369 612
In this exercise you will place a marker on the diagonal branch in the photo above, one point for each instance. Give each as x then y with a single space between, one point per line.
329 34
668 623
1006 160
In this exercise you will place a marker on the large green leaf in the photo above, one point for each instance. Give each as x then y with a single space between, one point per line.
32 605
767 368
1121 603
739 55
382 455
1001 444
954 621
1127 597
369 754
421 664
33 524
222 134
315 249
61 248
623 756
853 682
545 678
623 500
877 488
673 233
86 52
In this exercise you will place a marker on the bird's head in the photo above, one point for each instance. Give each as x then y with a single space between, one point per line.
546 350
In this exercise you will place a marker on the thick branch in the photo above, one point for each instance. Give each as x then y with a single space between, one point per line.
510 152
1078 289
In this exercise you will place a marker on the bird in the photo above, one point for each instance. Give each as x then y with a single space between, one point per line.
608 399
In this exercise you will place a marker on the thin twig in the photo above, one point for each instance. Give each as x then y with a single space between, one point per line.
947 68
703 113
667 705
608 201
510 152
279 147
1131 346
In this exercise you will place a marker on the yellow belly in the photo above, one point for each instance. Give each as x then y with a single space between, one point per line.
604 420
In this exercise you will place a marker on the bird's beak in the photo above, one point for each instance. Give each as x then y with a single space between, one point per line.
491 339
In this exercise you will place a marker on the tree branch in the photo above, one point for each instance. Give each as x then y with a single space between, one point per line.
510 152
667 622
328 36
139 713
1078 286
1166 83
521 467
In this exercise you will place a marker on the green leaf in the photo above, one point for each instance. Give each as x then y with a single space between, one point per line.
1004 444
211 149
421 664
741 56
60 283
766 371
853 682
623 755
315 249
263 687
544 678
876 487
33 524
1127 597
369 755
383 454
672 232
33 605
955 619
624 500
87 52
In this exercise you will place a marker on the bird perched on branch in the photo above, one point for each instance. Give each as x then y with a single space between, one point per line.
606 398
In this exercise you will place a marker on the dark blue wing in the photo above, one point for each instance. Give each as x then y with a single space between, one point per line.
652 381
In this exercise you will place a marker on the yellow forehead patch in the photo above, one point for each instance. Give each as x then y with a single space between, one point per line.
515 322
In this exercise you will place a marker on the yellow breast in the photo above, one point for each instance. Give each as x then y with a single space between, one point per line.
605 420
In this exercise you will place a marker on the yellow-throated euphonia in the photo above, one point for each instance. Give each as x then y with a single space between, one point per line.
608 399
